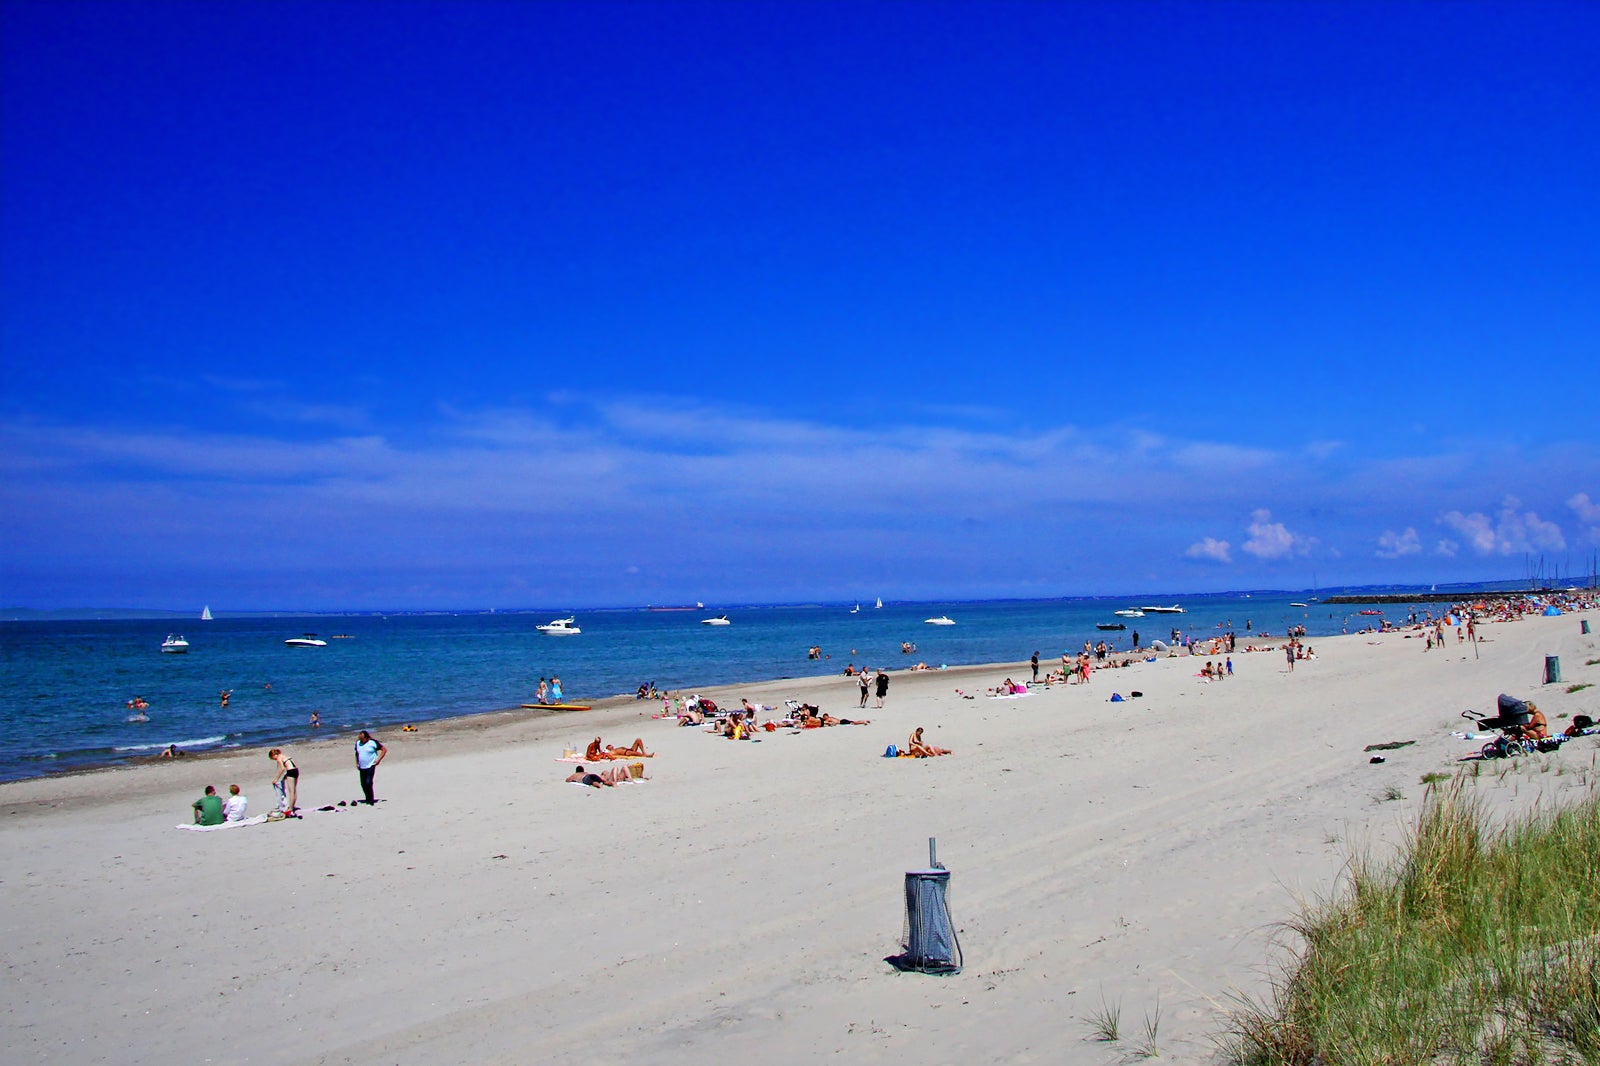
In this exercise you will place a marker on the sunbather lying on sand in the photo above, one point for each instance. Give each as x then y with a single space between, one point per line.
809 717
923 751
597 751
605 778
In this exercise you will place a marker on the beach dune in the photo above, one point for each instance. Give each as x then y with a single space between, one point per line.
742 900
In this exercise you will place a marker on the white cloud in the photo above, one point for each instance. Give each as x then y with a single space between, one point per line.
1272 540
1588 513
1210 548
1512 530
1475 528
1393 545
1447 548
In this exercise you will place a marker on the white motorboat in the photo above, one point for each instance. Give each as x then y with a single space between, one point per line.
1174 609
1129 612
719 620
174 645
1297 605
561 627
310 640
942 620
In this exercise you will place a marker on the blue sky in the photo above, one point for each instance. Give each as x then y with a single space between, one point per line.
320 305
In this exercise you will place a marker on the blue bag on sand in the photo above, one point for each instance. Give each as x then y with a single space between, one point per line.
891 752
1116 697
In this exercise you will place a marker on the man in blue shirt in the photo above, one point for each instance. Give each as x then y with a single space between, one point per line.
369 753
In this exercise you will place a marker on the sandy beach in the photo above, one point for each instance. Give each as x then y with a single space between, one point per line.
740 903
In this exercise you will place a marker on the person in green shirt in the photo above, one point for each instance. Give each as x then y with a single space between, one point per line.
208 808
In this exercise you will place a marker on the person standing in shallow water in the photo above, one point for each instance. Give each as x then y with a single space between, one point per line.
883 685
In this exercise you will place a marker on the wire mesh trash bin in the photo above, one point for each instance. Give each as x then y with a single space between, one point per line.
928 938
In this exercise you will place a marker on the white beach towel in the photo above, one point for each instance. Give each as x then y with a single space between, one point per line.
257 820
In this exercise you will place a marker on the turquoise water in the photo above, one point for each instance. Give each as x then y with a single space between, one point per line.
64 685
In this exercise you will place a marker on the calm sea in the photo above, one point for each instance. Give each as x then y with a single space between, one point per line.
64 686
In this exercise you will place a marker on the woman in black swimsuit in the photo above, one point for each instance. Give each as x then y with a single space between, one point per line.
289 776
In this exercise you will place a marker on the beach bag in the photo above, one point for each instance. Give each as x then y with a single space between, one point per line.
891 752
1116 697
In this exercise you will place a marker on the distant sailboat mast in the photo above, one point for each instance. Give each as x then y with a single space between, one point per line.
880 602
205 615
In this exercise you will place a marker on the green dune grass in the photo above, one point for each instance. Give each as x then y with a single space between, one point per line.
1476 945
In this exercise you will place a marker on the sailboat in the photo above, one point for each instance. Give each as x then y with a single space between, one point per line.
856 609
205 614
879 603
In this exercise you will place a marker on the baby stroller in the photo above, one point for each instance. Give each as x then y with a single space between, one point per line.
1510 720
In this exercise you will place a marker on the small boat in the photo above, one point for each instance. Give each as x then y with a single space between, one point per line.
1297 605
856 609
1108 626
174 645
309 640
205 613
1369 611
1174 609
561 627
719 620
942 620
1129 612
879 603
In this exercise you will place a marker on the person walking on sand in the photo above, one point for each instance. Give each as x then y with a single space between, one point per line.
1288 653
883 685
1035 662
865 681
369 753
